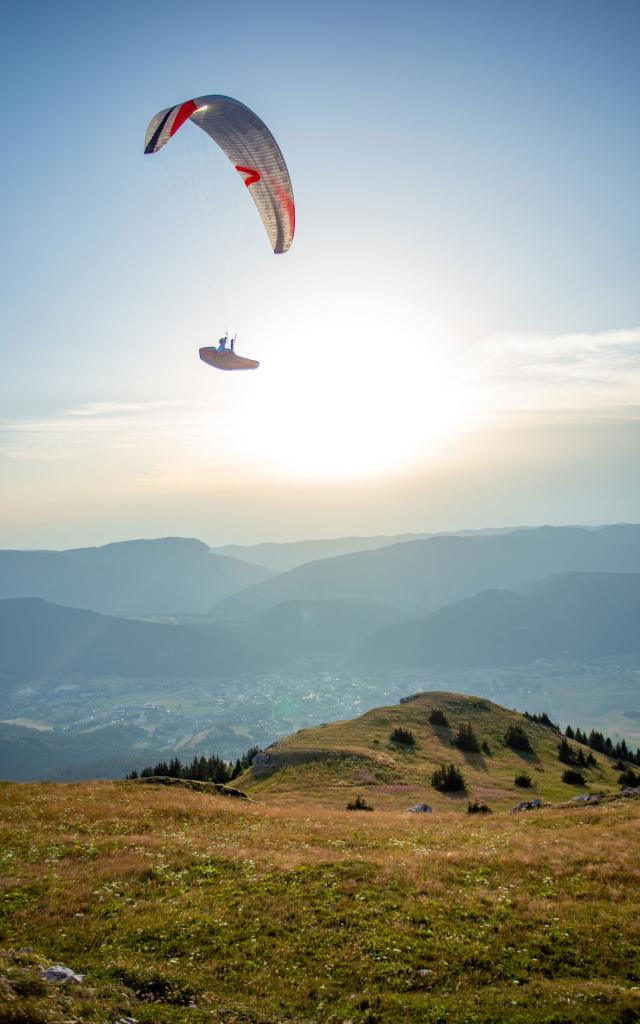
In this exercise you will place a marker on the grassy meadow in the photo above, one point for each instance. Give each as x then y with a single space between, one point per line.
179 905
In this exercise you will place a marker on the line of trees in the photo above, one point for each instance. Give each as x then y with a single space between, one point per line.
604 745
200 769
570 755
542 719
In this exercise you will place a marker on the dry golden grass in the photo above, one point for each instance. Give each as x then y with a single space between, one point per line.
164 896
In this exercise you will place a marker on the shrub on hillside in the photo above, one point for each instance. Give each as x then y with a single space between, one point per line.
629 778
448 779
573 777
28 983
516 738
566 753
523 780
438 717
466 739
404 736
486 749
154 986
478 808
359 804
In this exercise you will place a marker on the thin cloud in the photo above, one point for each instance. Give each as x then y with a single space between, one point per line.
578 370
101 409
135 429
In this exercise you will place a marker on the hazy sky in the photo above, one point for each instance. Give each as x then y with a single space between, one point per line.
452 341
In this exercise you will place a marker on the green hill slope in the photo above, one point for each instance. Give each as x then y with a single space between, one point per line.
333 764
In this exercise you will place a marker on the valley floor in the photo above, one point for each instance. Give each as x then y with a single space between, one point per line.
177 905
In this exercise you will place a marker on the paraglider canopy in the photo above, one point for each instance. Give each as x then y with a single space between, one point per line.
250 147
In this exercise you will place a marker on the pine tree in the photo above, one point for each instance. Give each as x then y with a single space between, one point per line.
566 753
517 739
359 804
466 739
448 779
403 736
523 781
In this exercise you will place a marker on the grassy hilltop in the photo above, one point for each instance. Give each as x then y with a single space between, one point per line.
332 764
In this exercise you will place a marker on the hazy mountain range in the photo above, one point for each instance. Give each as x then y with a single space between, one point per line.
280 557
138 577
573 616
238 654
485 600
576 616
422 575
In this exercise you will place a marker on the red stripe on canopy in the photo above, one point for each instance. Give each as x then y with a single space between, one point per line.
185 112
252 175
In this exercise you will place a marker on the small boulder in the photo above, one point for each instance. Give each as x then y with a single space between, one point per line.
58 973
527 805
420 809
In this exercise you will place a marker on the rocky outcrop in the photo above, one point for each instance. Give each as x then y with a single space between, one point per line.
271 760
199 787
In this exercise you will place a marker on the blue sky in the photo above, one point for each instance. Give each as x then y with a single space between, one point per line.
465 271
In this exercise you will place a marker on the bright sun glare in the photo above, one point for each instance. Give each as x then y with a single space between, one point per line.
359 409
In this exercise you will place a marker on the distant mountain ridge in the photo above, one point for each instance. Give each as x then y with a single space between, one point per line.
286 555
574 616
423 575
137 577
